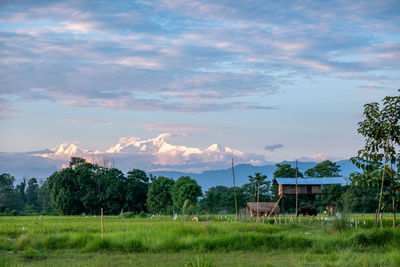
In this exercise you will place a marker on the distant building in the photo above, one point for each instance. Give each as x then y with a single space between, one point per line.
306 186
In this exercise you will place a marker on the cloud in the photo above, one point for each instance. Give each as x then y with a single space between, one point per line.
209 57
169 127
319 157
273 147
153 153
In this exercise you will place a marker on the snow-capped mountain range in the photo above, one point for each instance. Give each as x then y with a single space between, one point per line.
210 166
158 149
153 154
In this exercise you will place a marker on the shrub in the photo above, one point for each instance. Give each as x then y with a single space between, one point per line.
142 214
14 213
128 215
32 254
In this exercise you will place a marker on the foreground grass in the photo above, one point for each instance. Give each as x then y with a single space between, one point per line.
76 240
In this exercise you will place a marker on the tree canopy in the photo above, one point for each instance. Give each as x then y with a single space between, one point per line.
326 168
285 170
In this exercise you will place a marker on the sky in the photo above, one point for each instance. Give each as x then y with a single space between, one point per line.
265 80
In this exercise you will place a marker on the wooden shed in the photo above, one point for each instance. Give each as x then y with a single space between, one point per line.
264 208
305 186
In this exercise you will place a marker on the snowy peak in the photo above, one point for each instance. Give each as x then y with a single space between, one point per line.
65 151
152 152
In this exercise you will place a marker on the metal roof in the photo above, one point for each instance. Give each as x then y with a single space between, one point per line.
312 181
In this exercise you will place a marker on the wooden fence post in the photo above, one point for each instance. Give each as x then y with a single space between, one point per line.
356 222
102 229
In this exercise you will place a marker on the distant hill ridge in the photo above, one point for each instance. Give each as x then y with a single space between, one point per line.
212 178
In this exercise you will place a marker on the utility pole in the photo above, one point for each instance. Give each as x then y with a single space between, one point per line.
234 189
258 199
296 189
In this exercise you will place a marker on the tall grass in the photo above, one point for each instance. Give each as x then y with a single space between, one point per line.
35 235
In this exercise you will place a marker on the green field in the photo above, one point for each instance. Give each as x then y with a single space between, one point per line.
160 241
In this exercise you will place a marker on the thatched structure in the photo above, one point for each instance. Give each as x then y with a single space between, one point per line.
263 208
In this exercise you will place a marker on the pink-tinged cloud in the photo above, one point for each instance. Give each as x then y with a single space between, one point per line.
319 157
167 127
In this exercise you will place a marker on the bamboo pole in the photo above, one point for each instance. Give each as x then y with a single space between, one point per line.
258 199
102 228
234 189
296 190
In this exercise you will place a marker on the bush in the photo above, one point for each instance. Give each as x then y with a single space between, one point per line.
142 214
32 254
14 213
128 215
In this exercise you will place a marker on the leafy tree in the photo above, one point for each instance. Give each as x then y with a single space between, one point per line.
218 198
65 192
137 186
326 168
185 193
113 190
10 199
159 198
44 198
32 195
381 130
285 170
252 187
21 189
332 193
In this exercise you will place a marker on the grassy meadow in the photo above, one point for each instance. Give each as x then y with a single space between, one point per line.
214 241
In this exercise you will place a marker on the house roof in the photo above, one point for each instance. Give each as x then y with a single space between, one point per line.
312 181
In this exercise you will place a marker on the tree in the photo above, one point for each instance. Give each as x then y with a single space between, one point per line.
159 198
44 198
185 193
218 198
10 198
285 170
137 186
65 192
381 130
32 195
326 168
21 189
252 187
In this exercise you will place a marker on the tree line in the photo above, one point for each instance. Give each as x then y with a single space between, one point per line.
84 188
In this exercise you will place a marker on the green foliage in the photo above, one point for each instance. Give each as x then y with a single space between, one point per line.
14 213
128 215
159 198
250 189
85 188
10 197
137 186
326 168
285 170
201 262
142 214
32 254
216 199
381 130
185 189
32 195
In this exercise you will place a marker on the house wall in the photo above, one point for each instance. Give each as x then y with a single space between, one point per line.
301 189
